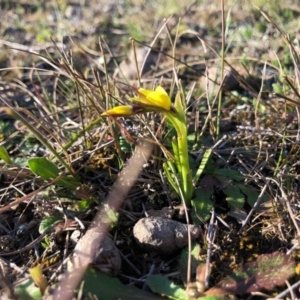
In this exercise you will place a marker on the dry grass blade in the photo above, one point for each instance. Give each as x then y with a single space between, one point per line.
30 195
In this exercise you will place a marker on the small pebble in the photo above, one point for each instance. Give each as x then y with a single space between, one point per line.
163 235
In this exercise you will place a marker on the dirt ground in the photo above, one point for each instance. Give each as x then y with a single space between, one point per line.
63 63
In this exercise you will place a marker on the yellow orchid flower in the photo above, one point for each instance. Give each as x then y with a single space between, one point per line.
158 99
147 100
119 111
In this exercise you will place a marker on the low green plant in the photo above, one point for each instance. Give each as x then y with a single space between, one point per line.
41 166
237 282
177 167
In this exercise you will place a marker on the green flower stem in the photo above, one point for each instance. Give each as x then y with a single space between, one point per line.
182 157
187 185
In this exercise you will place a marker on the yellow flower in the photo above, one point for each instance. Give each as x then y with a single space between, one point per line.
119 111
158 99
146 101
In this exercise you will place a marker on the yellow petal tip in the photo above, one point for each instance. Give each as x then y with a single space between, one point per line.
119 111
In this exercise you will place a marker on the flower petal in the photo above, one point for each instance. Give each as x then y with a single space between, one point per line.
161 90
159 99
119 111
155 99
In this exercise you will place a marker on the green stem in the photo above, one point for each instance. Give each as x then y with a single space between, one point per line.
182 159
187 186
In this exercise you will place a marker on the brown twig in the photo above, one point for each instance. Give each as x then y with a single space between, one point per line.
86 249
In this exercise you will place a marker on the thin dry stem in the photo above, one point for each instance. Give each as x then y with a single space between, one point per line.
87 247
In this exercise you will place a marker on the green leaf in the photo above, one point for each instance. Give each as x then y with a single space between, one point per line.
252 194
163 286
184 260
176 152
234 196
277 88
202 206
110 216
170 171
68 181
26 290
107 288
83 204
179 107
209 162
231 174
48 224
48 170
258 275
203 164
191 138
202 202
46 243
43 167
5 156
124 145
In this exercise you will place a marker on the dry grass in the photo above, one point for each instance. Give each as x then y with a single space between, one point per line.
61 85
